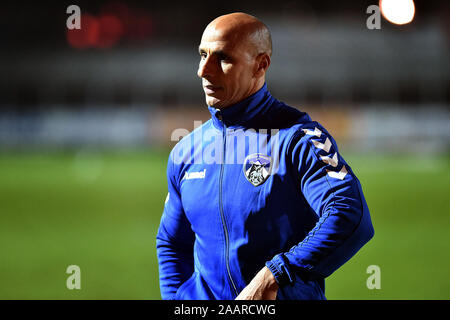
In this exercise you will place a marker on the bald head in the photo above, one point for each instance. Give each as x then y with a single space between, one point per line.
241 27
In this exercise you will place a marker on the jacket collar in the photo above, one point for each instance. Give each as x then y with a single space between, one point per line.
244 111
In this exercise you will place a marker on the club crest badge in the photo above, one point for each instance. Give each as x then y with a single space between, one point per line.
257 168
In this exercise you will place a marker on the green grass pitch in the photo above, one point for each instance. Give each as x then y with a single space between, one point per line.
101 211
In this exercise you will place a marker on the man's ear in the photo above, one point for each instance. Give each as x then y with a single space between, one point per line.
262 63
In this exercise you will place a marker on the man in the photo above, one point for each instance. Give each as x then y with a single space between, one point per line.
261 205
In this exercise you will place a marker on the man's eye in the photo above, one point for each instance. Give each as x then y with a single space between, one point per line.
203 55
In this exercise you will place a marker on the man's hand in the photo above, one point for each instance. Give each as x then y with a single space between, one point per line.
262 287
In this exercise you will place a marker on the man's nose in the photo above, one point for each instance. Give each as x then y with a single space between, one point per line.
204 68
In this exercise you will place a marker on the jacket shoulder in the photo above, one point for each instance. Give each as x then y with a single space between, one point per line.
183 151
299 126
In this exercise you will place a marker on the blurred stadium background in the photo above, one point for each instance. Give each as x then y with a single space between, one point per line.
86 118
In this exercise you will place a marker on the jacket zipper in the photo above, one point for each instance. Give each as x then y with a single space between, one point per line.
227 244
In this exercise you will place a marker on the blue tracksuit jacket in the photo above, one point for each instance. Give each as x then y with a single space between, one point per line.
258 184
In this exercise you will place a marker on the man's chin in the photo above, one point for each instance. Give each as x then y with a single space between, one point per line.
214 102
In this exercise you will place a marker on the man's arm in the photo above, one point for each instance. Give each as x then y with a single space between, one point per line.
334 193
174 241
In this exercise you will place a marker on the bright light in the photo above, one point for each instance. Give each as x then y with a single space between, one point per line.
398 11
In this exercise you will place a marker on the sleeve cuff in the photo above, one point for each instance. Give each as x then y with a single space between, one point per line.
280 269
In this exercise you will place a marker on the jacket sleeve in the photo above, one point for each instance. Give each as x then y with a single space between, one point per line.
332 190
174 240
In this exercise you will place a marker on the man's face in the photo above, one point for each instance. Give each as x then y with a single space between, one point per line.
227 67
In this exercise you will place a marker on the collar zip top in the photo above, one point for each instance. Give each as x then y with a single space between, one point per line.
242 112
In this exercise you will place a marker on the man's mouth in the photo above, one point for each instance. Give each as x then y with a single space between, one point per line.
210 89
